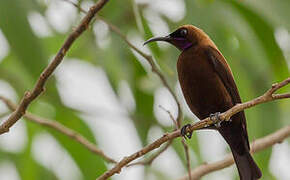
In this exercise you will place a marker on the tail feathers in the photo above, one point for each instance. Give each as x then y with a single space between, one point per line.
248 169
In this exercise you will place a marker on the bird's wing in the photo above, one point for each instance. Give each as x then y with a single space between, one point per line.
224 72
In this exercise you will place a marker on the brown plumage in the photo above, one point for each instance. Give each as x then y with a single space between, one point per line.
208 87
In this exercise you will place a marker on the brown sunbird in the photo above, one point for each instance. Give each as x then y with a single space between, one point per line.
208 86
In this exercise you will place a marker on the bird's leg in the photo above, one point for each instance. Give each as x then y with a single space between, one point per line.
214 117
188 135
184 133
216 120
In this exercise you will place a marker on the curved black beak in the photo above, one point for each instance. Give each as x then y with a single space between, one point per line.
166 38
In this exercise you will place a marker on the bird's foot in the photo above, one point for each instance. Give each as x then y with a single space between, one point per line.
216 119
184 133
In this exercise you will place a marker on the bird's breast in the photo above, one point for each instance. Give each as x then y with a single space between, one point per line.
203 90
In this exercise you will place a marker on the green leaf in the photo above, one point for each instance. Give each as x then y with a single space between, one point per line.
265 32
25 45
32 170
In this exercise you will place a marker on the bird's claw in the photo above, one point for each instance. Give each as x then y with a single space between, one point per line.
216 120
184 133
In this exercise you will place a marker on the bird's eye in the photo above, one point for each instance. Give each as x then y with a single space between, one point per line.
183 32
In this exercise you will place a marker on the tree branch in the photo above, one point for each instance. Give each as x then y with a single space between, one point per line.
185 146
256 146
149 160
39 86
186 150
153 157
268 96
60 128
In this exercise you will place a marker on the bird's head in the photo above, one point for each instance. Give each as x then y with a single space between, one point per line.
183 38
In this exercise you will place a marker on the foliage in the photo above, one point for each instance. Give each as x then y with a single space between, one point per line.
247 32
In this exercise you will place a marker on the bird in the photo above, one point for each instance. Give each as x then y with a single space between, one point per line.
208 86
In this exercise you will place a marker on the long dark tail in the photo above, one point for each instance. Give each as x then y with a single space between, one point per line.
248 169
235 134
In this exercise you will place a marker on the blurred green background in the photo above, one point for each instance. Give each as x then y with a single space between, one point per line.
106 92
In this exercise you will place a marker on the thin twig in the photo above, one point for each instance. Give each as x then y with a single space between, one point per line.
163 148
170 116
29 96
76 5
186 150
149 160
153 157
185 146
256 146
60 128
268 96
